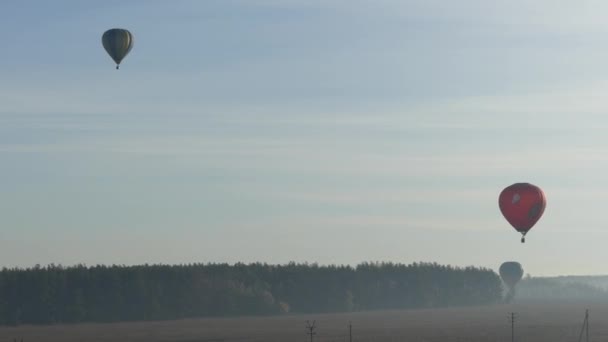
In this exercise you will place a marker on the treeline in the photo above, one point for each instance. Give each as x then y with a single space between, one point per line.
56 294
559 289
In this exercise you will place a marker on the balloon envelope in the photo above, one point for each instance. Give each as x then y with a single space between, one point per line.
511 273
522 204
117 43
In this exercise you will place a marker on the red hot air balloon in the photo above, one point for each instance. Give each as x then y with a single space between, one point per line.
522 204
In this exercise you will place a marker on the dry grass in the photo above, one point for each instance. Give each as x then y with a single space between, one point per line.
536 322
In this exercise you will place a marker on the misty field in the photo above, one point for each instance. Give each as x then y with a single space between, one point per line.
535 322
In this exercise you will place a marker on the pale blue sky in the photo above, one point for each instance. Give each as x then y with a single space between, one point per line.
319 131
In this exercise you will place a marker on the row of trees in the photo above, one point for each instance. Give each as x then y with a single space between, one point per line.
56 294
561 289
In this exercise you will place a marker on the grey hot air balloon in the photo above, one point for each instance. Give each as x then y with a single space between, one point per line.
117 43
511 273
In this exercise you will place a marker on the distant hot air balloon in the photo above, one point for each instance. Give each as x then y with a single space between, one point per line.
522 204
511 273
117 43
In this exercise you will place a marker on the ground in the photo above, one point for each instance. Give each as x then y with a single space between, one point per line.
534 322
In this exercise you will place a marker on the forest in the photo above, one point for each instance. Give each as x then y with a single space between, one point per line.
562 289
57 294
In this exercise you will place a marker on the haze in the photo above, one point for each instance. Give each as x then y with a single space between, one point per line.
332 132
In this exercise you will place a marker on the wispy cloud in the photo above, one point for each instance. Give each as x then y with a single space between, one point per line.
394 124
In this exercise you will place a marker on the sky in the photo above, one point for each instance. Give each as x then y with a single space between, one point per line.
334 132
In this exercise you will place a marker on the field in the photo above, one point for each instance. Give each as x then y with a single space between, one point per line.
534 322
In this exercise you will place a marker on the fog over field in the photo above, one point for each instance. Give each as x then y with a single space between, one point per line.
534 323
544 308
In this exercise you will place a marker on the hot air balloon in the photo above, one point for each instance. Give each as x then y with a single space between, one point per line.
522 204
511 273
117 43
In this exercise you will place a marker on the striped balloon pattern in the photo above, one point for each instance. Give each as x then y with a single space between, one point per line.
117 43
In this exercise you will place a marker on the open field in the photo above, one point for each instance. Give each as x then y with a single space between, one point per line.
535 322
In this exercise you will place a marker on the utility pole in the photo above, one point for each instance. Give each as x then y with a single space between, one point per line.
512 320
310 329
350 331
585 327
